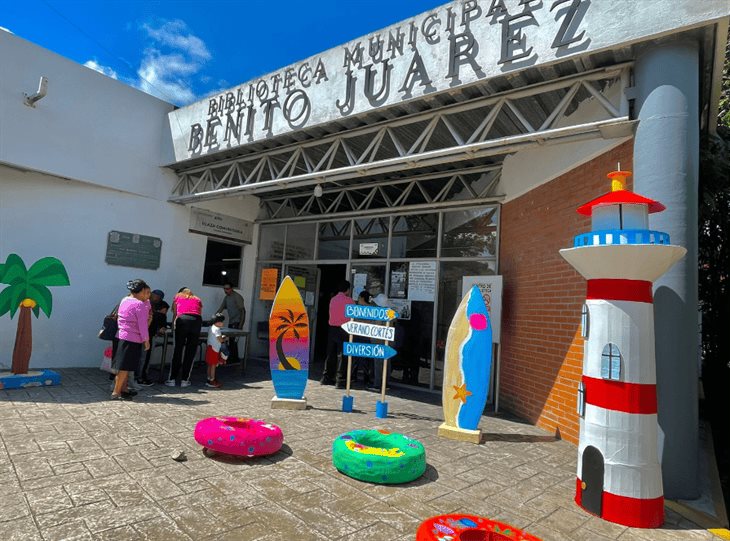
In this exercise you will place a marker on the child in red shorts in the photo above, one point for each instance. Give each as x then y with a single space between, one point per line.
213 354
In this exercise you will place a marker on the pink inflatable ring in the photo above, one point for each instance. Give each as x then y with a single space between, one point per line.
238 436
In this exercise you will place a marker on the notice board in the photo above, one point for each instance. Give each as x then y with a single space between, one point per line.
269 281
133 250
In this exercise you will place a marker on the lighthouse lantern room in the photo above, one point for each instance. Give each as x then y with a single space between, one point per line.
619 472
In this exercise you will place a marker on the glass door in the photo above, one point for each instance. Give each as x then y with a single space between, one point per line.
306 278
414 326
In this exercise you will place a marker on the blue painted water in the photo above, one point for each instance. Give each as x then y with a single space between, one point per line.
476 364
290 383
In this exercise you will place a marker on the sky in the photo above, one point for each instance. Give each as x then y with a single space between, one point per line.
184 50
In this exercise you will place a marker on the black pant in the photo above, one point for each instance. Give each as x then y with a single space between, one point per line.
233 357
148 354
333 364
187 337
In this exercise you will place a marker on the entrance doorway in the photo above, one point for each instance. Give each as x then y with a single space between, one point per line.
330 276
592 480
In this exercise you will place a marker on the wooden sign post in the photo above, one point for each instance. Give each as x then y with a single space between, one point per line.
374 351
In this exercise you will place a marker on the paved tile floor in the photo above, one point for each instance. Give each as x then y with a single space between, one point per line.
74 465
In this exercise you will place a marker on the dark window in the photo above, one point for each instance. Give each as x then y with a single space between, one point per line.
584 322
222 263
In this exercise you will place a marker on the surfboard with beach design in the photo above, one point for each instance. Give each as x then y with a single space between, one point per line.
289 342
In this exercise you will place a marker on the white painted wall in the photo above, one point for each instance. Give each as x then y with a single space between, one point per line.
44 216
84 162
89 127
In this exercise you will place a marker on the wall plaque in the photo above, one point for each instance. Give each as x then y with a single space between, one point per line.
133 250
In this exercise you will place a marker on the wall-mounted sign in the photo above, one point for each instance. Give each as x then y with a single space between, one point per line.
401 306
368 248
221 226
133 250
269 281
398 284
422 281
359 281
454 45
491 288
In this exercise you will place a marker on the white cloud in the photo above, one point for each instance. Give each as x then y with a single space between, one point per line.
106 70
175 35
171 61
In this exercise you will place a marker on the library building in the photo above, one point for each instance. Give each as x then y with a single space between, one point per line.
447 150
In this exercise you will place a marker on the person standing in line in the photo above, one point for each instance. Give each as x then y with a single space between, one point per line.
133 320
333 364
157 326
187 322
236 308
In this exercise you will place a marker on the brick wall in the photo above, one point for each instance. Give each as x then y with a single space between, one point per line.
542 351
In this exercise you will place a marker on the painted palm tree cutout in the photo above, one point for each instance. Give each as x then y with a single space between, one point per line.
290 323
28 291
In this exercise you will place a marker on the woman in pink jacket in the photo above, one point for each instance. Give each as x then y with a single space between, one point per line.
133 320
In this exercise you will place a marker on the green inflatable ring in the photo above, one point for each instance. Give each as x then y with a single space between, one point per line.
377 456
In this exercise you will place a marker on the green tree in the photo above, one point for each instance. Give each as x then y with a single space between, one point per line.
714 276
28 291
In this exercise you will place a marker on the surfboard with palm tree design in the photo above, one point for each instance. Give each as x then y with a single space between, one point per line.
289 342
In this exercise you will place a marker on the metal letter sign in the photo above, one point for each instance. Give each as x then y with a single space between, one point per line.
372 351
373 313
370 330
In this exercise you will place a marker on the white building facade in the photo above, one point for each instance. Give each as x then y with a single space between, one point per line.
403 161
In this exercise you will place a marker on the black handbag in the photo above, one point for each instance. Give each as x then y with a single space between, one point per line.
110 327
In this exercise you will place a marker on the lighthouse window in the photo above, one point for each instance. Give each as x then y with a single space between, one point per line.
581 399
584 322
611 362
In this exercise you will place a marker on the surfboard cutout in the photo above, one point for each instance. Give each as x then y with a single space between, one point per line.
468 363
289 342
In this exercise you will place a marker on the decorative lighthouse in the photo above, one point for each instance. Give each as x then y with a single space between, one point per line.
619 475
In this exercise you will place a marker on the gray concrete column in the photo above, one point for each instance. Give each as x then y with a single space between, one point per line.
666 156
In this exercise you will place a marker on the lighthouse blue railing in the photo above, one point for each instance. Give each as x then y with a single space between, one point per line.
620 236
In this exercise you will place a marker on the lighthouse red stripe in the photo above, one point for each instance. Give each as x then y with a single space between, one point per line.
634 512
614 289
620 396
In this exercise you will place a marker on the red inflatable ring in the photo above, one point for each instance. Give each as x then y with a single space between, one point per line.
238 436
469 528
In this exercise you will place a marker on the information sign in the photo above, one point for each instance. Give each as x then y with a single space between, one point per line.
373 313
269 280
372 351
370 330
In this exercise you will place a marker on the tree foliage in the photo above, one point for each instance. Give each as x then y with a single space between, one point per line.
714 233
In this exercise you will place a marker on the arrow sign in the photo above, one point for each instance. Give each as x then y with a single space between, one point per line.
370 330
373 313
372 351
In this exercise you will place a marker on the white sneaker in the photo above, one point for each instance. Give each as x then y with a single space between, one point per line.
170 383
185 383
